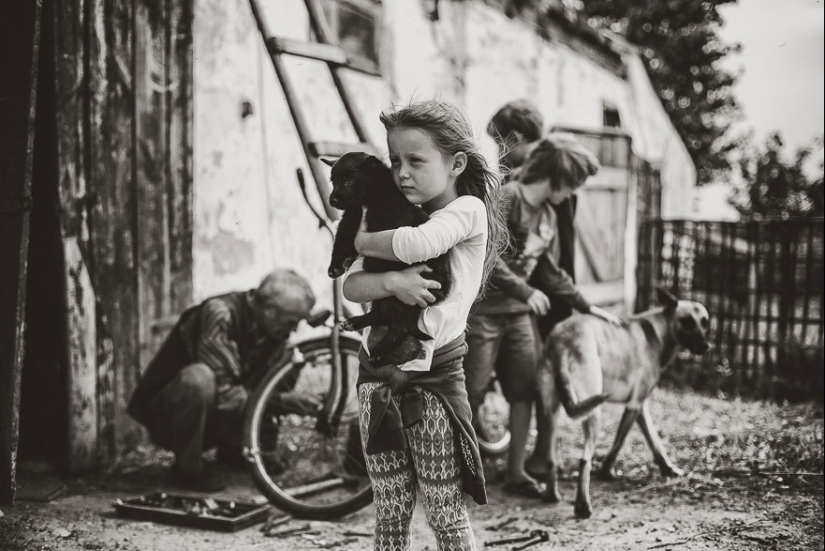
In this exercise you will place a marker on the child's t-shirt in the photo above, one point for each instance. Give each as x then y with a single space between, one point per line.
460 226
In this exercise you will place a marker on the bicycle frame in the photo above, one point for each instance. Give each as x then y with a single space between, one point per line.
331 407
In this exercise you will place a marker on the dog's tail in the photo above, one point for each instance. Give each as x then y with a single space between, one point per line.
579 409
567 395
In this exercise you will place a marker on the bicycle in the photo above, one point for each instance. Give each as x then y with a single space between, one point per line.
312 466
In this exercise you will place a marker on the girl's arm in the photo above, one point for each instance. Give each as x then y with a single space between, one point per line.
375 244
407 285
446 228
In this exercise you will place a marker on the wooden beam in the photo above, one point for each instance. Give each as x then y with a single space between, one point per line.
112 216
82 361
19 40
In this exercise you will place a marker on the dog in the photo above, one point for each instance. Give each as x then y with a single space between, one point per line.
587 362
362 180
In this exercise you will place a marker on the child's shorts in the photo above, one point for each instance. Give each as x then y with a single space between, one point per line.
507 345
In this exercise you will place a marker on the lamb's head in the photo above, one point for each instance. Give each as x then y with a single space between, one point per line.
353 176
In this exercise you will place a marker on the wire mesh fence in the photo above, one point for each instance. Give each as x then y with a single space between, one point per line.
762 283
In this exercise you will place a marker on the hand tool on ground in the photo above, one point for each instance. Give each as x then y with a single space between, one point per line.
539 536
510 539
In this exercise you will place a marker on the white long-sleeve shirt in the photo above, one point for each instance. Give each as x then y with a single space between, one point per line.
460 226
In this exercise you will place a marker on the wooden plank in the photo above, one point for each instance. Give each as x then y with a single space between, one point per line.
311 50
112 218
179 116
601 233
337 149
151 86
82 361
69 56
608 178
19 40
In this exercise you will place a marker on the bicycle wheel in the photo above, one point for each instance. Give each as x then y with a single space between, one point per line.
492 423
310 466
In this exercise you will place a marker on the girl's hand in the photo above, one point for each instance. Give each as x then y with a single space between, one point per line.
538 303
410 287
607 316
361 235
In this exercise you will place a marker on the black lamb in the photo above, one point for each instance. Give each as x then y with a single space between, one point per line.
362 180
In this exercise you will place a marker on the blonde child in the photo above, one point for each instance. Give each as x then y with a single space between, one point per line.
415 418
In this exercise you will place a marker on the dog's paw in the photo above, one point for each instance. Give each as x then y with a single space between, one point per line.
551 496
607 475
347 325
335 271
583 509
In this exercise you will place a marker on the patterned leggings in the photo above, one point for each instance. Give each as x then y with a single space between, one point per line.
430 460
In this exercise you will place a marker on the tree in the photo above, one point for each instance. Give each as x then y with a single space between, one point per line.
773 187
681 49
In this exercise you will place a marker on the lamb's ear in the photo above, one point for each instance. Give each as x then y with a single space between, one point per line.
327 161
665 298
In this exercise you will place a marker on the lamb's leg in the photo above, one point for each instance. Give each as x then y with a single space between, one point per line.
343 248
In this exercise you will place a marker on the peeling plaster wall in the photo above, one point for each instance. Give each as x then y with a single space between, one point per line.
249 215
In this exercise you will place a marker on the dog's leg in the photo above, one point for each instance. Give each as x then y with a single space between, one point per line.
343 247
659 455
388 342
356 323
551 415
628 417
584 508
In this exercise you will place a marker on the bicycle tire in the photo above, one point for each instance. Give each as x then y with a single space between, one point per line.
492 424
306 446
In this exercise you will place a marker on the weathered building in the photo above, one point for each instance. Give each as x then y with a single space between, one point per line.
248 209
164 172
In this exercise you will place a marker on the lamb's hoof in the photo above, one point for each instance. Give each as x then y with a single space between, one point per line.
671 471
583 510
346 325
551 496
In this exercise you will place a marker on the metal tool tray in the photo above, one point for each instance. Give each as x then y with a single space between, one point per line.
193 510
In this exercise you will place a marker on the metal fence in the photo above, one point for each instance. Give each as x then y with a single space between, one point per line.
762 283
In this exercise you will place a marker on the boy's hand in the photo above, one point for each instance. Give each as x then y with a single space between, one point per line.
607 316
410 287
538 303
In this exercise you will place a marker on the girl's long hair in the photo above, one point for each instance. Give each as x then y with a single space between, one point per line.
450 129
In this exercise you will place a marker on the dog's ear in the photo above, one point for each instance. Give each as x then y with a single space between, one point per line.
374 165
327 161
665 298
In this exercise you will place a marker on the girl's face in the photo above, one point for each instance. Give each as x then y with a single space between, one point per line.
421 171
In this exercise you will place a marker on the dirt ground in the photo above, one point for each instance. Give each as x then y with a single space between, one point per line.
738 495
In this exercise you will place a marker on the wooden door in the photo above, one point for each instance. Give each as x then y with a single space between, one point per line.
602 219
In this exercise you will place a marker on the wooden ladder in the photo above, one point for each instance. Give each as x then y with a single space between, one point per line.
335 59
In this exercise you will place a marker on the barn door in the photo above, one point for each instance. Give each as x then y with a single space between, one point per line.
602 220
163 84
